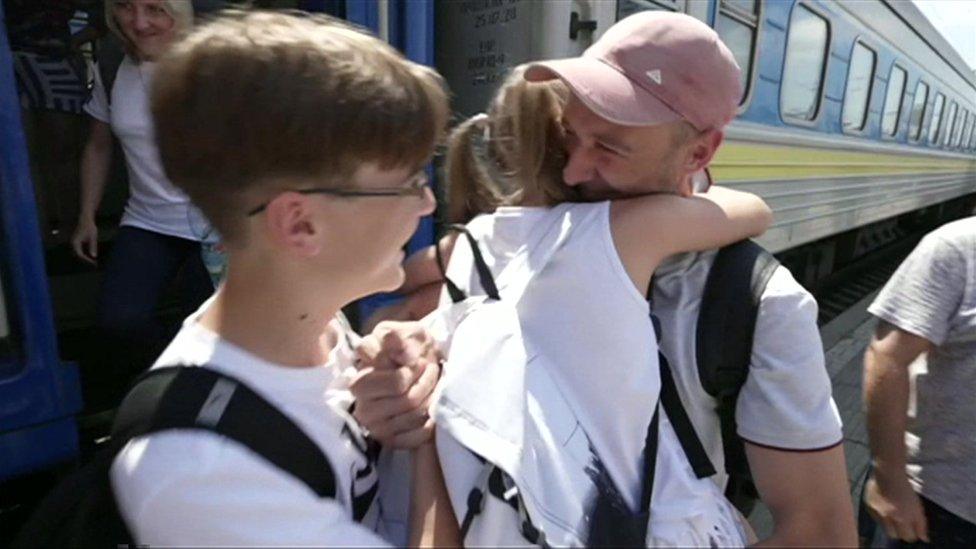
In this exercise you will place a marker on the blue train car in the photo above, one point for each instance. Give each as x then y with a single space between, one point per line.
39 394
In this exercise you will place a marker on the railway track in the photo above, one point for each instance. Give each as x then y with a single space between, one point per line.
853 283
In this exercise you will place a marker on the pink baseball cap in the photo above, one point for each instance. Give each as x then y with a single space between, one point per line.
653 67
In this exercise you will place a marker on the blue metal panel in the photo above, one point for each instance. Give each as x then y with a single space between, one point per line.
364 13
415 24
411 30
764 105
41 390
37 446
335 8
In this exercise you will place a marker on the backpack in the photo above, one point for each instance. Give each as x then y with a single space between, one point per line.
606 518
81 510
724 339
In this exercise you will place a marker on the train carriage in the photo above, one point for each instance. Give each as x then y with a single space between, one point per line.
856 117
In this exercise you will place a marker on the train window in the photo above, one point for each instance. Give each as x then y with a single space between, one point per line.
964 137
738 25
957 128
968 134
630 7
806 57
745 6
961 120
936 123
860 76
950 125
892 105
918 111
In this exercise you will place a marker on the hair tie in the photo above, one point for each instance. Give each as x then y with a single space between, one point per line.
482 118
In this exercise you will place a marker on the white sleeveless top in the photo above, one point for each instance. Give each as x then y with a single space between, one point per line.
584 315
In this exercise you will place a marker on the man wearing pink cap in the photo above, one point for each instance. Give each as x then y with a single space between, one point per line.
648 107
649 103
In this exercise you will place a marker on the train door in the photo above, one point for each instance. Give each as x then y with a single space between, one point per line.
39 395
47 304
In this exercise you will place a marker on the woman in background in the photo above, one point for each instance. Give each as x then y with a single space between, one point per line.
160 231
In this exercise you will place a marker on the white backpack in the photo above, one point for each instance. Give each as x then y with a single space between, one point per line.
518 470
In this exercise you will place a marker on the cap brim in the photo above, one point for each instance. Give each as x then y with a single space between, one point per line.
605 90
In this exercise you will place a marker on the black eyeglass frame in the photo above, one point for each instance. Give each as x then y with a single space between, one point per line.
417 188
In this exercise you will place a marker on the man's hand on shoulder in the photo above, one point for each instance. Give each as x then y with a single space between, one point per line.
398 370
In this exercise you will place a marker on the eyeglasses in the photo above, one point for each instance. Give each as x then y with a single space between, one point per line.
416 187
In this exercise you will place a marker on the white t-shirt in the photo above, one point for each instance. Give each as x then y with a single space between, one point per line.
193 488
786 401
154 203
583 313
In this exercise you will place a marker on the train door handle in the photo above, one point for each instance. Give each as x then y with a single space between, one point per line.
576 25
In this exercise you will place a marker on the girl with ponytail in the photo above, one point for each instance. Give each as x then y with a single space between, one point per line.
512 155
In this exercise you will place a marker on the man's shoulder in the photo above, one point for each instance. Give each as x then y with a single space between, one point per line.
959 230
694 267
957 238
782 284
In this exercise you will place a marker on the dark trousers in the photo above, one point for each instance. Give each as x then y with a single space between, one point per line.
945 530
140 267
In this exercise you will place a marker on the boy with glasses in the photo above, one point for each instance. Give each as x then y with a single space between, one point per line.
309 171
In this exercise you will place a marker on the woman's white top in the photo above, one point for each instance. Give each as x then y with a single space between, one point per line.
154 203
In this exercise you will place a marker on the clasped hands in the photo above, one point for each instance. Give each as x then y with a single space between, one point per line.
399 367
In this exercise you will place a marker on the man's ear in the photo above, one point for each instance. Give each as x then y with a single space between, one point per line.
291 224
702 149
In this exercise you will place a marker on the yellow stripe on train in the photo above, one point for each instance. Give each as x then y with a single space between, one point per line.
738 160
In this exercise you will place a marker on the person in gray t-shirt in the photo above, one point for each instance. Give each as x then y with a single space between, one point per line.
924 481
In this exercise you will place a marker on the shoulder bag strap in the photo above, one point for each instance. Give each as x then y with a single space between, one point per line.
180 397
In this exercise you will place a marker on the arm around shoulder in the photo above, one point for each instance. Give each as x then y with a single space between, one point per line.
647 229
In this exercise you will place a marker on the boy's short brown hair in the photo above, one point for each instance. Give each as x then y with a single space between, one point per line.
253 103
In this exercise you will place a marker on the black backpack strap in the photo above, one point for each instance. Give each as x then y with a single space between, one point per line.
200 398
108 60
457 294
485 278
476 497
727 317
650 459
723 350
491 480
683 428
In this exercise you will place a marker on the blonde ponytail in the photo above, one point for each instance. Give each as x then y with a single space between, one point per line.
471 190
511 155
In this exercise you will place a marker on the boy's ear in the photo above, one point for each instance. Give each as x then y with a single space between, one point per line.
292 225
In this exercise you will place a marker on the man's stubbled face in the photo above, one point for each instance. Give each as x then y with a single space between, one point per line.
607 160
